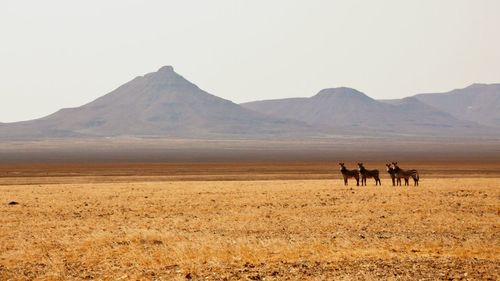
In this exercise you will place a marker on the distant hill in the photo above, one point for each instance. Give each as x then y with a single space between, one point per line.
162 103
479 103
349 109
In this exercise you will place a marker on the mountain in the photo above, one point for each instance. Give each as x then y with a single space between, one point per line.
162 103
165 104
479 103
350 110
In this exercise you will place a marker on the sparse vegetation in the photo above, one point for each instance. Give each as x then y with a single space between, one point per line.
251 230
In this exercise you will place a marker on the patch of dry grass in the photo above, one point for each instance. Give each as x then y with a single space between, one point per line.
273 230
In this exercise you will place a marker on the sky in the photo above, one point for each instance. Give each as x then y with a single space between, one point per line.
57 53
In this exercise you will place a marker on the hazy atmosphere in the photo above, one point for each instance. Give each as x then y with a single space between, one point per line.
249 140
57 54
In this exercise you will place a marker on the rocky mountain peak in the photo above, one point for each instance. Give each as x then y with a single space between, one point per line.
340 92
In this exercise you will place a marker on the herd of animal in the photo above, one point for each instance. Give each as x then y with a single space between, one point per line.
393 169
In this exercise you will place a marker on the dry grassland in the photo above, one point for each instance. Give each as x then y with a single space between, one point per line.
251 230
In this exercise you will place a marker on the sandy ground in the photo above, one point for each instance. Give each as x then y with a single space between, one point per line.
279 229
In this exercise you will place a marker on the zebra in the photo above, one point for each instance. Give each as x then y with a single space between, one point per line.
368 174
349 174
406 174
391 172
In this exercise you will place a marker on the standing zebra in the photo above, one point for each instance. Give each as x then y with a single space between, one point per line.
391 172
349 174
406 174
368 174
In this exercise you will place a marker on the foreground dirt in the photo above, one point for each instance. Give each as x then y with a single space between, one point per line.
251 230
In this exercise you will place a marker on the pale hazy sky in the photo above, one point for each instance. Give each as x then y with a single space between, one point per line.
62 53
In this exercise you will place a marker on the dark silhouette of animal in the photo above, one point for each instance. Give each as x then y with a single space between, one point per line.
398 177
368 174
406 174
391 172
349 174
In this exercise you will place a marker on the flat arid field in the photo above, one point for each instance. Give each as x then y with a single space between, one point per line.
152 227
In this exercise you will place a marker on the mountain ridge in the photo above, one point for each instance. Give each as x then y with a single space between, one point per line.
478 102
161 103
353 109
165 104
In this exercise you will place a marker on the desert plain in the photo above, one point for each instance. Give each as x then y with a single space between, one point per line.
246 221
